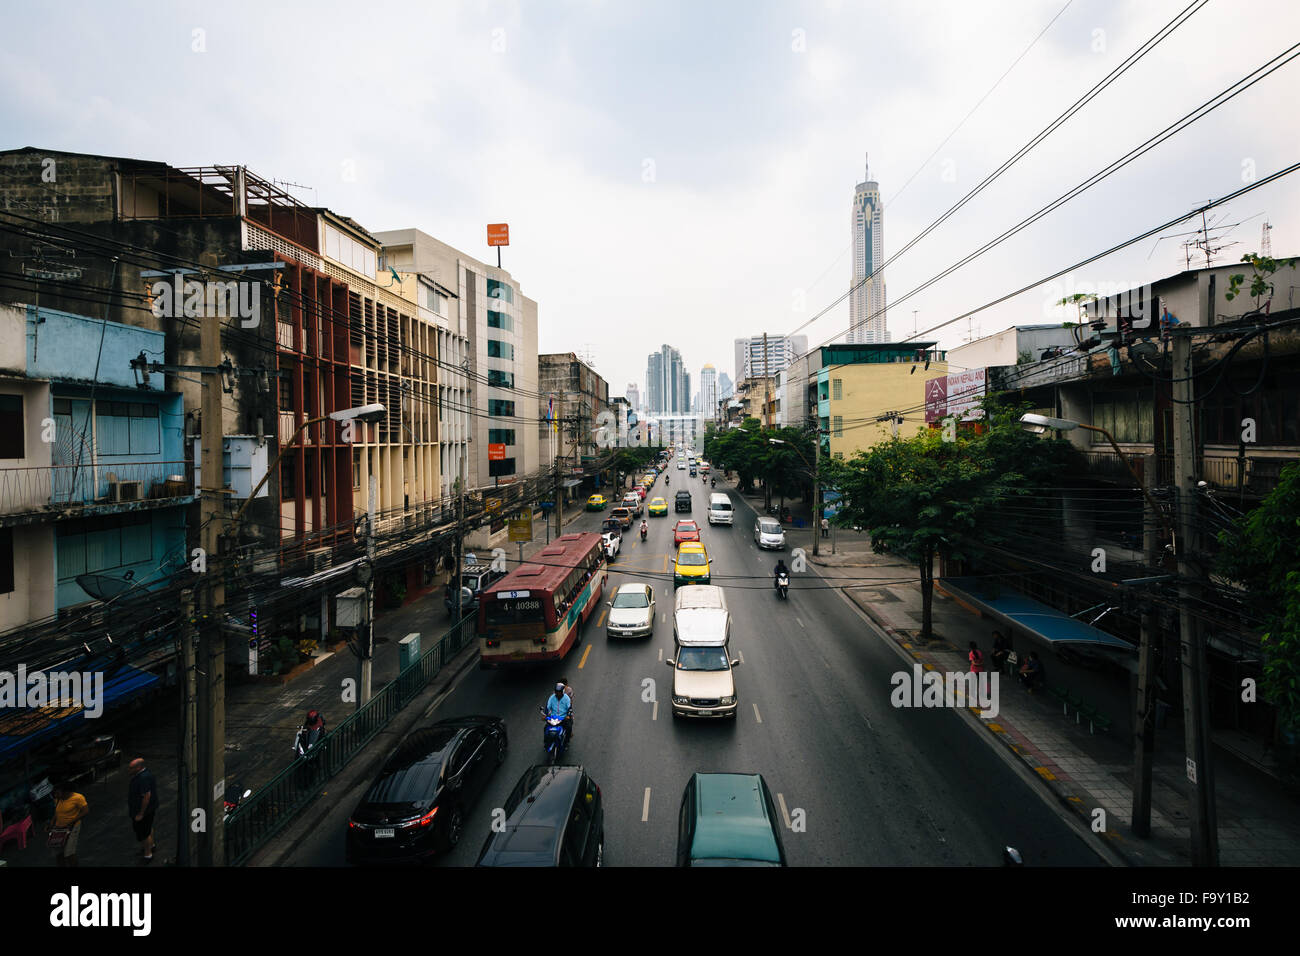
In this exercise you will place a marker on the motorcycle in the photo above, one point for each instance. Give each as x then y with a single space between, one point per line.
306 739
234 798
644 532
79 760
783 585
713 482
554 737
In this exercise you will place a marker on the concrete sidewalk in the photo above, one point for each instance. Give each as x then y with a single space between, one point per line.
261 720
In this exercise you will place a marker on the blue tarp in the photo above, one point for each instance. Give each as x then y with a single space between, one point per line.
22 729
1047 622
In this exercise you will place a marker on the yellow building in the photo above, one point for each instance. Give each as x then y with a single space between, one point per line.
865 394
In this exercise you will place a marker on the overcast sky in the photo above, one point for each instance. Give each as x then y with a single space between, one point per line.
682 172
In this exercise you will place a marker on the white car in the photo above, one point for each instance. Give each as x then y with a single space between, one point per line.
632 612
768 533
681 466
633 501
612 543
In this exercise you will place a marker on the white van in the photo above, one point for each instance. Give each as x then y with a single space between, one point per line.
719 509
704 683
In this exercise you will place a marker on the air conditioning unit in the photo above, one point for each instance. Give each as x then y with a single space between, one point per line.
320 560
125 490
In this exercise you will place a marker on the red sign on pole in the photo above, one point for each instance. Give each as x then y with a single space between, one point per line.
498 234
496 452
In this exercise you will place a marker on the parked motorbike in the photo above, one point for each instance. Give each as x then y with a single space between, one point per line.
234 798
79 759
782 585
554 738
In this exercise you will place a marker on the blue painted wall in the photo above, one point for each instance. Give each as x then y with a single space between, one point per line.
61 345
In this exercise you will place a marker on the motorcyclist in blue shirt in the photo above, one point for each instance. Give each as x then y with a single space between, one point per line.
560 704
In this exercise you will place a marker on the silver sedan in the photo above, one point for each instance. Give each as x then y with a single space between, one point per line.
632 612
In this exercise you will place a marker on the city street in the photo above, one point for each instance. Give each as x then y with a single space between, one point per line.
872 784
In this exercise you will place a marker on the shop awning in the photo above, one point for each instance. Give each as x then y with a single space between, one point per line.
1020 611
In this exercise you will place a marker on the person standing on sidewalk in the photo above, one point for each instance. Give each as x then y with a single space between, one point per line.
70 808
1001 648
142 804
826 528
976 659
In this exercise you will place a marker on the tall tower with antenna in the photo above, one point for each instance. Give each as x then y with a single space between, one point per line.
1266 241
867 296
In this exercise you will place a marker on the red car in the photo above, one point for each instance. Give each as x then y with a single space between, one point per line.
640 491
685 531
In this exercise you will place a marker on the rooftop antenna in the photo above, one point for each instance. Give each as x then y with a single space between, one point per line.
1266 241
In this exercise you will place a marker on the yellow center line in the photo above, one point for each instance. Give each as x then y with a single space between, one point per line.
583 662
601 621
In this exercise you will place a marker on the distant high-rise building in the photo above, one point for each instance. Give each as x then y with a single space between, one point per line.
867 296
668 385
725 386
633 396
756 357
708 391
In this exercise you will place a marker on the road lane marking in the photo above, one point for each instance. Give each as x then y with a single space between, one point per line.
654 713
742 657
757 716
583 662
784 812
601 622
661 655
800 623
645 807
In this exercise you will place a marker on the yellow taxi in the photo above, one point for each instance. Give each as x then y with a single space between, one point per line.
658 507
692 564
597 503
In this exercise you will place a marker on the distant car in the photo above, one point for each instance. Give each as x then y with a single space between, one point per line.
554 817
473 581
418 804
597 503
728 819
692 471
681 465
685 531
768 533
632 612
612 524
622 514
641 492
692 565
658 507
633 501
682 502
612 544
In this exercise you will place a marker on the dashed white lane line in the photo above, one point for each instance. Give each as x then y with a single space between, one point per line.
800 623
784 812
742 657
645 806
757 716
661 655
654 713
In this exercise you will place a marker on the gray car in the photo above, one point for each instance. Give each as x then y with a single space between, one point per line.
768 533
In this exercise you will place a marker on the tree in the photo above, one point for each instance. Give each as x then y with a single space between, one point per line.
923 496
1262 553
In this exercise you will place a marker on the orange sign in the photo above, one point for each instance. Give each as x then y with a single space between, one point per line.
496 452
498 234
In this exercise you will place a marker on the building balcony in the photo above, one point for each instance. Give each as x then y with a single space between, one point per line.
1252 475
92 487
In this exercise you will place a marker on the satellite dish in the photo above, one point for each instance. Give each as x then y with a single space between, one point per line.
105 587
1145 350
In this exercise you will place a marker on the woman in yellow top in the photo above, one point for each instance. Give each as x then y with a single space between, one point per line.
70 809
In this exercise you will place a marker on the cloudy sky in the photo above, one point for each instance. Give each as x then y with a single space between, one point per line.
682 172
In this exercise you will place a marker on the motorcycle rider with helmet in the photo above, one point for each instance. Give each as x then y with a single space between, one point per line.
779 570
645 529
560 704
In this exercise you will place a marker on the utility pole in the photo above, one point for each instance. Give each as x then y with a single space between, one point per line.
817 491
1144 738
367 661
1204 826
187 778
212 649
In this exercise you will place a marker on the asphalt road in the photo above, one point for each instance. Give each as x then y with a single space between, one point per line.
863 782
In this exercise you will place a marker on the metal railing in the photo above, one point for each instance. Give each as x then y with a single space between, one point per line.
275 805
1256 475
93 482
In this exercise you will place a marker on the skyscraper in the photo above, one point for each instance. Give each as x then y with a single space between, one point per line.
668 385
867 299
759 356
633 396
708 391
725 386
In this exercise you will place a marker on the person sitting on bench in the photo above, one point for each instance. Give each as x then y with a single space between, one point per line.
1031 672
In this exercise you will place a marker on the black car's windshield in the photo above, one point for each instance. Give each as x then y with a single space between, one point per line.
631 599
702 659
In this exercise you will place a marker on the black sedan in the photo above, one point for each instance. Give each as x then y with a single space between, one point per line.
417 806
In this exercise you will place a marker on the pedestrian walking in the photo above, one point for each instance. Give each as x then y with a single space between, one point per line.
1001 648
142 804
70 808
826 528
976 659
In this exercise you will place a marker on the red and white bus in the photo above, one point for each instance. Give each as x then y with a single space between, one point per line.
535 612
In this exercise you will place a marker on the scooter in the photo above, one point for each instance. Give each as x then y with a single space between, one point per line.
234 798
783 585
554 738
305 739
644 532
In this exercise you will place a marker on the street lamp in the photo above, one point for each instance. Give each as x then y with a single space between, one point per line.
362 413
1038 424
817 487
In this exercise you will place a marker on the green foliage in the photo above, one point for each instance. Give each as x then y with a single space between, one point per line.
1024 357
748 451
1262 268
1263 553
